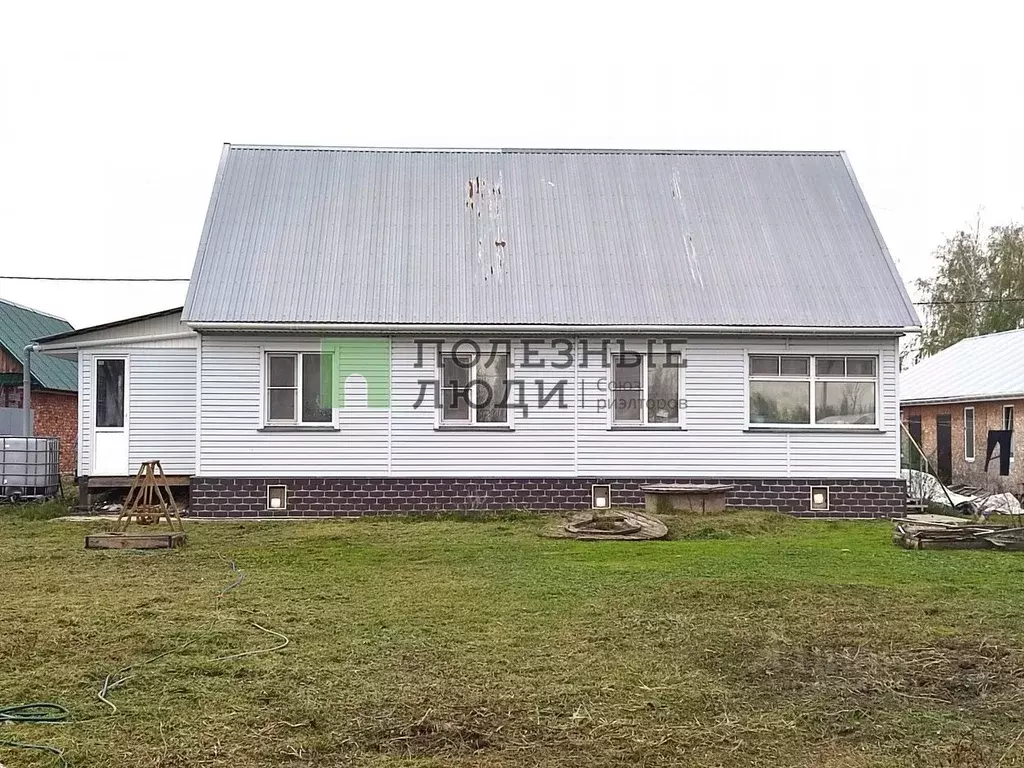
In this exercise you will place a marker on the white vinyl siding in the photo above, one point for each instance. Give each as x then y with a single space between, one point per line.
234 441
161 406
541 443
713 439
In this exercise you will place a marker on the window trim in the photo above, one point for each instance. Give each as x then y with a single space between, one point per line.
270 425
643 423
441 424
974 447
812 379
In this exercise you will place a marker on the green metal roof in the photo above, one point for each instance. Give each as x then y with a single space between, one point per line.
18 327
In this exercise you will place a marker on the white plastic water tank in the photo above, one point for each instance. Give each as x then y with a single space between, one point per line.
28 466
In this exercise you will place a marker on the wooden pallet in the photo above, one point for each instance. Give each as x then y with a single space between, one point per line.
118 540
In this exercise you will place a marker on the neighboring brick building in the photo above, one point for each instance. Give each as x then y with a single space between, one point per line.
54 381
952 402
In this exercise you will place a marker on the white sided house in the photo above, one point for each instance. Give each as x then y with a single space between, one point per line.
374 331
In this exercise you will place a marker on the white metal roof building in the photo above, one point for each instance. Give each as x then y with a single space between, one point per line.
318 361
989 367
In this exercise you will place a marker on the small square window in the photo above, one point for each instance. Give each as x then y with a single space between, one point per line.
860 366
830 366
819 499
600 496
796 366
764 365
277 497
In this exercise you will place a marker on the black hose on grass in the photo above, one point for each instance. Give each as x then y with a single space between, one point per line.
38 712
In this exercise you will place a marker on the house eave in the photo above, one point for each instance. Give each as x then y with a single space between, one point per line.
468 328
961 399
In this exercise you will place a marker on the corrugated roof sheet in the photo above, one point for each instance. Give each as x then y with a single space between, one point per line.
521 237
980 368
20 325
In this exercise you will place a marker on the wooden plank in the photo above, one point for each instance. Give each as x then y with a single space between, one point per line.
677 488
126 481
135 540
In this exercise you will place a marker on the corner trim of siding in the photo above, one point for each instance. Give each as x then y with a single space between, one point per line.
199 405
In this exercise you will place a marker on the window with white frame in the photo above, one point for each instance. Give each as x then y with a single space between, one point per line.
475 390
813 390
298 388
969 434
645 389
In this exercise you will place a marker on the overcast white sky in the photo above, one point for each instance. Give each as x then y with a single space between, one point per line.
112 116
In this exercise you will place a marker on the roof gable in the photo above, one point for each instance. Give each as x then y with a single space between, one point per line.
539 237
18 327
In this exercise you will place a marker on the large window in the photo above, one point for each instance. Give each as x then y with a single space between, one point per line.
474 392
809 390
299 388
969 434
645 389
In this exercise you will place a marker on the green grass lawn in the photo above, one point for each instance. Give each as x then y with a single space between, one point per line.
747 640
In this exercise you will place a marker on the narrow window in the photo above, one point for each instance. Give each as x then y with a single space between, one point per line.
663 389
110 392
456 372
969 434
316 388
492 390
1008 424
628 389
914 428
282 388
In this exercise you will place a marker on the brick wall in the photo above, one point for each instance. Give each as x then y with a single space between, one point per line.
327 497
54 414
987 415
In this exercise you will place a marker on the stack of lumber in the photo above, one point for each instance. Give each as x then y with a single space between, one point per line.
947 532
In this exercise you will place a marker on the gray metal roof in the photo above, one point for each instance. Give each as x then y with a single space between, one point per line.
542 237
987 367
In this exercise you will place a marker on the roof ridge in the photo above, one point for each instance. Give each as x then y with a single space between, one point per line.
993 333
537 150
33 310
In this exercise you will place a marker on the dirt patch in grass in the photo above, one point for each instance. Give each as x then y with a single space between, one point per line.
953 672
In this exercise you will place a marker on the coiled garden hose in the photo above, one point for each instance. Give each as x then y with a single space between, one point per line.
38 712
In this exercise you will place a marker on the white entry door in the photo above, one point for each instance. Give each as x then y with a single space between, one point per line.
110 416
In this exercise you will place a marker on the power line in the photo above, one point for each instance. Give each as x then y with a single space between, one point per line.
958 302
940 303
98 279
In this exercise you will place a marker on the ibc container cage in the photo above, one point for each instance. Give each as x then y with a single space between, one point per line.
29 468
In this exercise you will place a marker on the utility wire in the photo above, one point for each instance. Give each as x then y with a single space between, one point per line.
949 303
958 302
